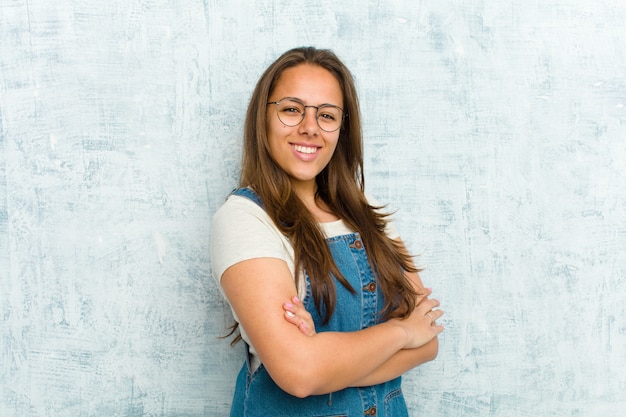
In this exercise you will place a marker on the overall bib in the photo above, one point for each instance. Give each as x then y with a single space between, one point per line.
256 394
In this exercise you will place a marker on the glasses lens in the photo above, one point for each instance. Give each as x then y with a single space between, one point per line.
329 118
290 112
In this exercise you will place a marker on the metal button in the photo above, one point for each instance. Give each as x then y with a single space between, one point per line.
357 244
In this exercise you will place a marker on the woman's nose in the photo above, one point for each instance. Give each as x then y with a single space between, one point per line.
309 123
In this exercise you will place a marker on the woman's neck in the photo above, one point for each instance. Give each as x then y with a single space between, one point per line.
316 206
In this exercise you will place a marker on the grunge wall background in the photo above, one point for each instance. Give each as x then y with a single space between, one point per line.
497 130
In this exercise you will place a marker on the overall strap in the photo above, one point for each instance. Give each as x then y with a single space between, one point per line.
248 193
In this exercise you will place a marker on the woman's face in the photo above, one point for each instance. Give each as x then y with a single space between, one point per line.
304 150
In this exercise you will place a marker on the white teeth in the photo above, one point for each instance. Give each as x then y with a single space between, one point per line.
305 149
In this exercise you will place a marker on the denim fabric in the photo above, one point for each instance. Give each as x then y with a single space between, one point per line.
256 394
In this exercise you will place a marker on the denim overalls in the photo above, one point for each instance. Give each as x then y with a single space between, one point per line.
256 394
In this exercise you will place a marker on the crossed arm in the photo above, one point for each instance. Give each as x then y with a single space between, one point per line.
307 364
401 362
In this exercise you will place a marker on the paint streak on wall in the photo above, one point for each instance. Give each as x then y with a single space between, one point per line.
496 130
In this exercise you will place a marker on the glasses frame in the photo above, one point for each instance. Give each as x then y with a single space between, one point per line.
317 111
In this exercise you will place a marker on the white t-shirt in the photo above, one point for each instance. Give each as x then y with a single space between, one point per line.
242 230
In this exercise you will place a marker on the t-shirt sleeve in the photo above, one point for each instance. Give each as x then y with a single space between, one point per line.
241 230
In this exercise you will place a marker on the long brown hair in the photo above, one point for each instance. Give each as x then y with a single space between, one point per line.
340 186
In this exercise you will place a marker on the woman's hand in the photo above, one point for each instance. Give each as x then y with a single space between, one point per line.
421 325
296 314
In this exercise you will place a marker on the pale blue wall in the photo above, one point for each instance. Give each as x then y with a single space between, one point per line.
497 129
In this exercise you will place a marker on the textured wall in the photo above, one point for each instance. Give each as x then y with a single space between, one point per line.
496 129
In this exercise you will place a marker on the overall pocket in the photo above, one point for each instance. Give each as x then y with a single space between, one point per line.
395 406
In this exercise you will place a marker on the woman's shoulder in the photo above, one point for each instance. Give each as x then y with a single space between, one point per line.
238 207
242 230
235 200
242 216
239 216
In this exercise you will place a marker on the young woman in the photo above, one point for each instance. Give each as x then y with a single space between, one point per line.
301 228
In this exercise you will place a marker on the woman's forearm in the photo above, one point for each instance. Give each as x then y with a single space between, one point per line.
371 373
401 362
330 361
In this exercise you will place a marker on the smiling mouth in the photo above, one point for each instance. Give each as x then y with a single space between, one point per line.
305 149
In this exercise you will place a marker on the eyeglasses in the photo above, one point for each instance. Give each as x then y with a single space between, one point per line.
291 112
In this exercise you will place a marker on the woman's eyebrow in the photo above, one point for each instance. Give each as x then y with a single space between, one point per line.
302 102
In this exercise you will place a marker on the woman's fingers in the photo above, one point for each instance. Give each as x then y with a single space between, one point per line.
421 325
296 314
430 310
434 315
